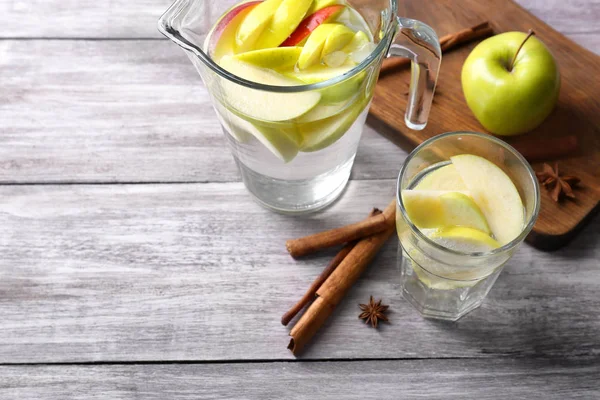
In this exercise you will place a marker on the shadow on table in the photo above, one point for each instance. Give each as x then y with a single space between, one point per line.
552 311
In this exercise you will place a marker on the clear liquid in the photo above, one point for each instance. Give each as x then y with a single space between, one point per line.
438 284
310 182
312 178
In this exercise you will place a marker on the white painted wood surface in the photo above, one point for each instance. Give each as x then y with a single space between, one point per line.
121 111
200 272
372 380
195 271
136 110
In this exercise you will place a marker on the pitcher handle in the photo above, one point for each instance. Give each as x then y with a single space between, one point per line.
419 42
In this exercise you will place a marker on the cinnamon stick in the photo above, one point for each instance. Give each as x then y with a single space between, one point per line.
310 244
447 43
339 282
312 290
534 149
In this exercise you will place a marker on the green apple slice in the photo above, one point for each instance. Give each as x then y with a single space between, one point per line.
335 59
464 239
333 94
358 41
321 134
319 73
338 38
263 105
323 111
283 144
228 121
429 209
273 58
495 194
311 52
444 178
319 4
286 19
254 24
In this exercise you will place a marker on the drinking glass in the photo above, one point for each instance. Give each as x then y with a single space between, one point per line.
444 283
283 170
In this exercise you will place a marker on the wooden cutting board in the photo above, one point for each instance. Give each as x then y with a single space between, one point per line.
577 112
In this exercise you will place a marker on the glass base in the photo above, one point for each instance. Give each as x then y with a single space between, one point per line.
297 196
441 298
428 312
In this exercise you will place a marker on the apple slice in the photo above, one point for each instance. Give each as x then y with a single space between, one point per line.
326 39
286 19
445 178
429 209
254 24
360 47
323 111
227 120
222 38
263 105
319 5
335 59
310 23
333 94
311 52
321 134
273 58
466 240
337 39
283 144
495 194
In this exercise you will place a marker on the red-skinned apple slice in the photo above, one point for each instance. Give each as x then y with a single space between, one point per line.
224 23
311 23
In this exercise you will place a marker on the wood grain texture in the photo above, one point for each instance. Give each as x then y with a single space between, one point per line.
136 111
423 379
137 19
121 111
577 112
200 272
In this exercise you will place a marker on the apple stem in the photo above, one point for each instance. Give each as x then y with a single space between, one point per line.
512 63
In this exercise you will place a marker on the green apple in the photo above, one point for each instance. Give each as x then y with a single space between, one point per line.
221 40
272 58
285 20
429 209
337 39
325 39
323 133
283 144
254 24
311 52
495 194
320 4
336 93
464 239
445 178
511 99
264 105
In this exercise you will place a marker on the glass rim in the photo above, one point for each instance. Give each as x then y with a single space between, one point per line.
165 27
508 246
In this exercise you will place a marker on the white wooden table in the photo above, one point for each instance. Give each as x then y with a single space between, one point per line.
133 263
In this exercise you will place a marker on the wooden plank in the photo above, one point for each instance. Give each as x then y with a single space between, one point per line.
81 18
200 272
128 19
423 379
124 111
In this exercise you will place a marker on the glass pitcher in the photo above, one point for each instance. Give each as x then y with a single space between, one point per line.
296 146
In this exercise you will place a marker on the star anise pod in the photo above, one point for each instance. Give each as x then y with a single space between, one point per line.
556 184
373 312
